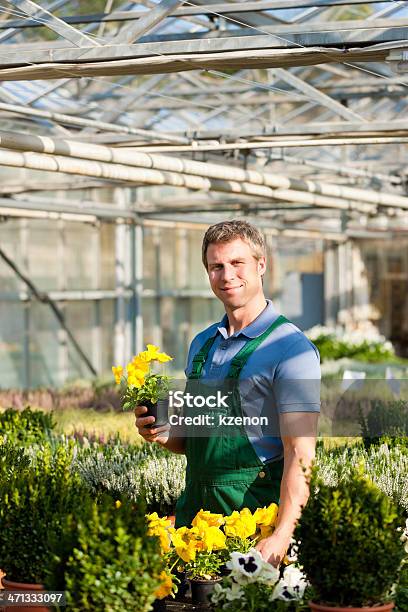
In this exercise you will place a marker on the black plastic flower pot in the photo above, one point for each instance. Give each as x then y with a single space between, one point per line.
201 590
159 605
160 411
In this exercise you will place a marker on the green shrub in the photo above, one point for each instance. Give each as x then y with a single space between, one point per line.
26 426
350 548
149 471
401 595
106 561
34 500
386 422
12 460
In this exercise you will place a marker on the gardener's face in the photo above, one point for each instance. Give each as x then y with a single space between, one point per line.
235 274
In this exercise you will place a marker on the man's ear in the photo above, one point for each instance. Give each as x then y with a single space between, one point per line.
262 265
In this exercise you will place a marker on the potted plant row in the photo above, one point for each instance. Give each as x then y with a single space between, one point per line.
349 554
54 535
202 551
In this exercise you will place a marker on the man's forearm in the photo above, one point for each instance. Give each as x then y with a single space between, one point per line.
294 491
175 444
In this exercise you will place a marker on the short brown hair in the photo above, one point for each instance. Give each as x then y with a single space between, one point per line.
226 231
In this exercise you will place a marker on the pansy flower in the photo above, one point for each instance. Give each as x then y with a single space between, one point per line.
291 586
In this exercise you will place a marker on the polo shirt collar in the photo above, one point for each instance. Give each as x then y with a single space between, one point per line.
254 329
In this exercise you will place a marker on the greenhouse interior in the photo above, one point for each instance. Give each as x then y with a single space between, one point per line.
204 193
129 128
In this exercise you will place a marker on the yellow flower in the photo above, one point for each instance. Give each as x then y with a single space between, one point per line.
266 518
153 354
159 527
213 520
140 364
136 377
117 372
212 538
240 524
118 503
165 587
185 543
155 520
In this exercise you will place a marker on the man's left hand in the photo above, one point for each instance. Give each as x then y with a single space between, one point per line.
273 549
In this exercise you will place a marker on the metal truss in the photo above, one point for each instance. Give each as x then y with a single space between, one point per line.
233 83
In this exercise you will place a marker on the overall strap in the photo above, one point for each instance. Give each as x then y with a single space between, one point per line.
200 358
243 355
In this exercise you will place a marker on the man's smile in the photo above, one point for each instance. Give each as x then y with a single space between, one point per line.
231 289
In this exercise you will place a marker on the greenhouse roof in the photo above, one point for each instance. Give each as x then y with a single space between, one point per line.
293 111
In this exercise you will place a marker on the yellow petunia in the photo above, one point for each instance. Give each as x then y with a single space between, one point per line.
213 520
117 372
266 518
118 503
165 587
185 543
240 524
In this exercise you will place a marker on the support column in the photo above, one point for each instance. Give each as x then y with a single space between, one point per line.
361 297
331 283
26 366
137 335
97 348
63 360
123 277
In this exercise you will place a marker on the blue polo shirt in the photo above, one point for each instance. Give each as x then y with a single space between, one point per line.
282 375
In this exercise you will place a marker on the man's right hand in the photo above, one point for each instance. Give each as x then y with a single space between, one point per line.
155 434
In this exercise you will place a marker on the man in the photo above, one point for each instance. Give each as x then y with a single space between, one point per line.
273 366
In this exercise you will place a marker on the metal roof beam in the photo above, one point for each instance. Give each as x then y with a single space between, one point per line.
313 127
85 122
132 32
224 8
13 27
317 96
272 143
275 37
54 23
265 58
119 107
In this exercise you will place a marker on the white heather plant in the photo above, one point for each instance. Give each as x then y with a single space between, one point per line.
149 471
386 467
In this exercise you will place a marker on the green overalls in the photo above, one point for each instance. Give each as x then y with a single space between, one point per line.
224 473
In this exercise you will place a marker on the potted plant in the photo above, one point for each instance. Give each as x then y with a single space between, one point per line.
142 386
34 497
350 546
199 547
